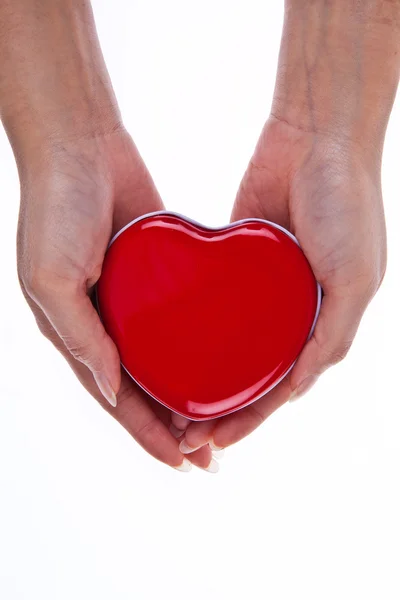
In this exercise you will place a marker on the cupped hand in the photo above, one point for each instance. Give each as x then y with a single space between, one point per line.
327 192
75 194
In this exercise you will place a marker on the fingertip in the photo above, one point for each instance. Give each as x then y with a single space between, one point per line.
306 365
213 467
203 459
185 448
112 363
106 388
214 447
199 434
185 466
180 422
177 433
304 387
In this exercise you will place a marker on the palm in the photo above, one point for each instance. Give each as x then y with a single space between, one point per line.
91 190
331 201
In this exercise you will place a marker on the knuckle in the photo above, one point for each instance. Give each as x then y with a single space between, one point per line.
82 352
339 353
367 288
333 355
44 328
382 272
125 401
373 283
149 432
257 416
85 345
371 272
35 280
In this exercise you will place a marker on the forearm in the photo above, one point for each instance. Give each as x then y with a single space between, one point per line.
53 80
339 67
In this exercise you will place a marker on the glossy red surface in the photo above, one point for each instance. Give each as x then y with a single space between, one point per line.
206 321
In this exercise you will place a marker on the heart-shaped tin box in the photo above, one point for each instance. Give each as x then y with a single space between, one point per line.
207 321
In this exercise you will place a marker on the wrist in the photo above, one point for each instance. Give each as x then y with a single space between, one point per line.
339 69
54 84
36 134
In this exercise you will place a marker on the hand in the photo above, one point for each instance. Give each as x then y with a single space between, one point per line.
329 196
75 196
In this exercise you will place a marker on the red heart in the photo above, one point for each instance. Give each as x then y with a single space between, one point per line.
206 321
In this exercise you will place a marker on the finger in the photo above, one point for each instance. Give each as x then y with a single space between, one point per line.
134 415
135 193
203 457
228 430
205 460
197 434
68 308
179 422
238 425
334 333
261 197
84 375
200 459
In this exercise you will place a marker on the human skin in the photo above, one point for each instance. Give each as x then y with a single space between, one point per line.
316 170
82 179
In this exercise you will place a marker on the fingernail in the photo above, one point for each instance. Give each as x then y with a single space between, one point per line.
214 448
105 388
175 431
213 467
185 448
218 453
185 467
304 387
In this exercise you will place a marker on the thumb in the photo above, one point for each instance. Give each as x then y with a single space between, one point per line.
334 333
73 316
261 195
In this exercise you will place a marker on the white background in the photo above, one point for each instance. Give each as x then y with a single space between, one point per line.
308 506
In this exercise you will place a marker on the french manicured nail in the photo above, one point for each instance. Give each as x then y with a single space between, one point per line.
215 448
185 467
105 388
304 387
185 448
218 453
213 467
175 431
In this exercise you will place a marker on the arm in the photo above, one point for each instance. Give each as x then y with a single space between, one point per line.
316 171
338 74
53 79
54 87
82 179
339 68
